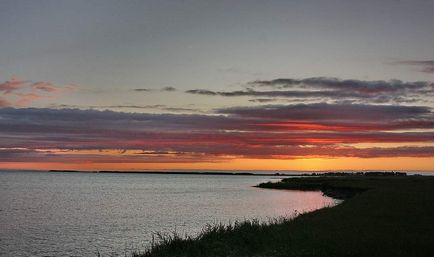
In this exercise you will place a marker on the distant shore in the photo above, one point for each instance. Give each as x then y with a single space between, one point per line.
243 173
185 172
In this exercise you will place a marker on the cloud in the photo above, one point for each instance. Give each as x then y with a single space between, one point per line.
142 89
40 155
268 131
332 112
351 85
4 102
21 93
426 66
26 99
262 100
335 117
12 85
323 88
161 107
164 89
168 89
202 92
26 155
45 86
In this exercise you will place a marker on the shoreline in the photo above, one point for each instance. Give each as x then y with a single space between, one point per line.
336 192
381 216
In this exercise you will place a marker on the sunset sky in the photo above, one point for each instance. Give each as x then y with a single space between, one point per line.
227 85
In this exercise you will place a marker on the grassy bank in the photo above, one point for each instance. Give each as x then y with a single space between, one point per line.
382 216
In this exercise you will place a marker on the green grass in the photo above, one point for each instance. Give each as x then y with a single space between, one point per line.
382 216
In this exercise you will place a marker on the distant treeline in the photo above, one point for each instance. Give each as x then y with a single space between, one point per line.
369 173
179 172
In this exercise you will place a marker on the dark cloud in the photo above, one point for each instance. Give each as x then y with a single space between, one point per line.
426 66
160 107
324 111
168 89
201 92
322 88
351 85
125 106
270 131
164 89
131 106
180 109
142 90
274 93
35 156
262 100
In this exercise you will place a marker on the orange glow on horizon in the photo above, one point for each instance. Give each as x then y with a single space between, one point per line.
313 164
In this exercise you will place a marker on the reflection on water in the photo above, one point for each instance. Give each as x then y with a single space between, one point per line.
79 214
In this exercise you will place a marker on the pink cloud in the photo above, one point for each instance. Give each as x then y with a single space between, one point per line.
12 85
26 99
4 102
45 86
20 93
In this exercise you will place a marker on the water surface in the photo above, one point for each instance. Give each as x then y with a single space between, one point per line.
79 214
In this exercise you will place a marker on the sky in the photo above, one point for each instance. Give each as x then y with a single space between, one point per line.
225 85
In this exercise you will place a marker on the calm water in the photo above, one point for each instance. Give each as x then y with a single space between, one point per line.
79 214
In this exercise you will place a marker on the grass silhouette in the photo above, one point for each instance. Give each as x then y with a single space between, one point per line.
382 216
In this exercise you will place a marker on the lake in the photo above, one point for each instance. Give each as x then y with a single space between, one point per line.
81 214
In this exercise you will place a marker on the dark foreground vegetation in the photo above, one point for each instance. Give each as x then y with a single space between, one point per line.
381 216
